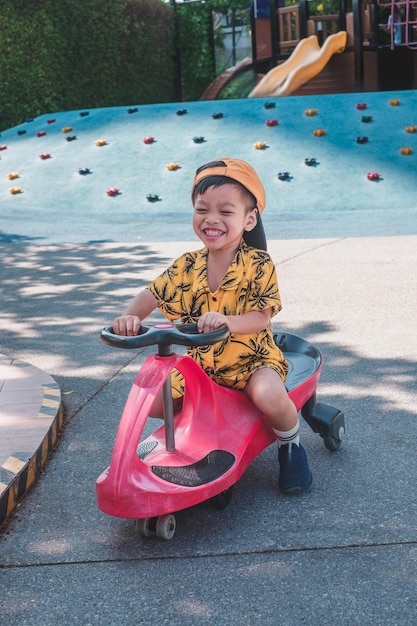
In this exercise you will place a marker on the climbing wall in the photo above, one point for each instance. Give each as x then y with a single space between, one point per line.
331 165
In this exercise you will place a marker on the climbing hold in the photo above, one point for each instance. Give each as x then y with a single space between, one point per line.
284 175
373 176
217 116
411 129
394 102
15 190
172 166
406 150
3 147
45 155
272 122
182 112
21 132
72 138
361 106
310 161
319 132
269 105
198 139
101 142
84 171
12 175
51 120
366 119
132 110
361 139
41 133
152 197
311 112
112 191
148 140
84 113
67 129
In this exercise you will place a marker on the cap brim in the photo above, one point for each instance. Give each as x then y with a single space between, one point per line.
255 238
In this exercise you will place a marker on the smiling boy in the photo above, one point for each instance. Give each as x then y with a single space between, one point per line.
233 283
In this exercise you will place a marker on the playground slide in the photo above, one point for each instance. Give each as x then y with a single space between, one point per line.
306 61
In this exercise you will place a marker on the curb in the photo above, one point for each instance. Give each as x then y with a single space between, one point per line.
31 418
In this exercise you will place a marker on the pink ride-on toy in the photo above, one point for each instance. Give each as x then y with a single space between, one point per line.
201 452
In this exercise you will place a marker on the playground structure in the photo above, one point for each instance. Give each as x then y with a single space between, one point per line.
307 60
379 55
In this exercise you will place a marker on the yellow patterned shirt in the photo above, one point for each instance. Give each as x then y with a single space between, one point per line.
250 284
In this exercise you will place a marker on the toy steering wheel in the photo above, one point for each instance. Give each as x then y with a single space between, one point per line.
164 335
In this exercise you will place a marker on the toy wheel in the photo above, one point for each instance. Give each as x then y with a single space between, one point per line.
145 527
222 499
165 526
331 443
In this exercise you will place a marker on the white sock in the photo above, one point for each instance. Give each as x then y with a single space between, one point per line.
288 436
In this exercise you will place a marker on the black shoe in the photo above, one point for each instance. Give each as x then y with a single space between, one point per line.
294 473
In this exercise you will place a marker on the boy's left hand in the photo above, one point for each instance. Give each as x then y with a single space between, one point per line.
211 321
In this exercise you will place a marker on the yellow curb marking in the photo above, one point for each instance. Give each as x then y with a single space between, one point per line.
13 464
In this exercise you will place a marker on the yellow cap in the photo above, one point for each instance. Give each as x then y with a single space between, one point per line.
240 171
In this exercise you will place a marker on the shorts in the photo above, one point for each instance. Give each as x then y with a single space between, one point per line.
239 382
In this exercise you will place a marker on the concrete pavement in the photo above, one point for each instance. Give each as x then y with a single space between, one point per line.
345 553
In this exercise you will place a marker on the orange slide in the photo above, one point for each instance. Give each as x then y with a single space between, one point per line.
306 61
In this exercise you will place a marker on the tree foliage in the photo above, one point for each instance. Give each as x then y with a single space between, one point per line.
197 39
194 41
67 54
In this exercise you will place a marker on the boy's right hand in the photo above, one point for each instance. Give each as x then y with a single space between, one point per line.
126 325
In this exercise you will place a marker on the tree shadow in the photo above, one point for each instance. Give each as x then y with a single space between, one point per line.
13 238
56 298
376 394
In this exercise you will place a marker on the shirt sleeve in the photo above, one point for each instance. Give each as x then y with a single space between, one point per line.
166 293
264 291
169 289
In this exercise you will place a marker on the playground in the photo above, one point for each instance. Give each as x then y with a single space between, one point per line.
94 204
369 45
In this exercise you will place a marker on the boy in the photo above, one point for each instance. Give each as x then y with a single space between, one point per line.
229 282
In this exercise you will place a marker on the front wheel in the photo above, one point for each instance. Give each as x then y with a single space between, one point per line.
165 526
145 527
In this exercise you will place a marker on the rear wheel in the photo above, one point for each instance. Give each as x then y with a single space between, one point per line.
331 443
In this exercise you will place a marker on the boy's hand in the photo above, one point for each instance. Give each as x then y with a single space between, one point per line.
127 325
211 321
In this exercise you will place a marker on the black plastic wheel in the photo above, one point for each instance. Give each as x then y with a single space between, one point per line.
145 527
331 443
222 499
